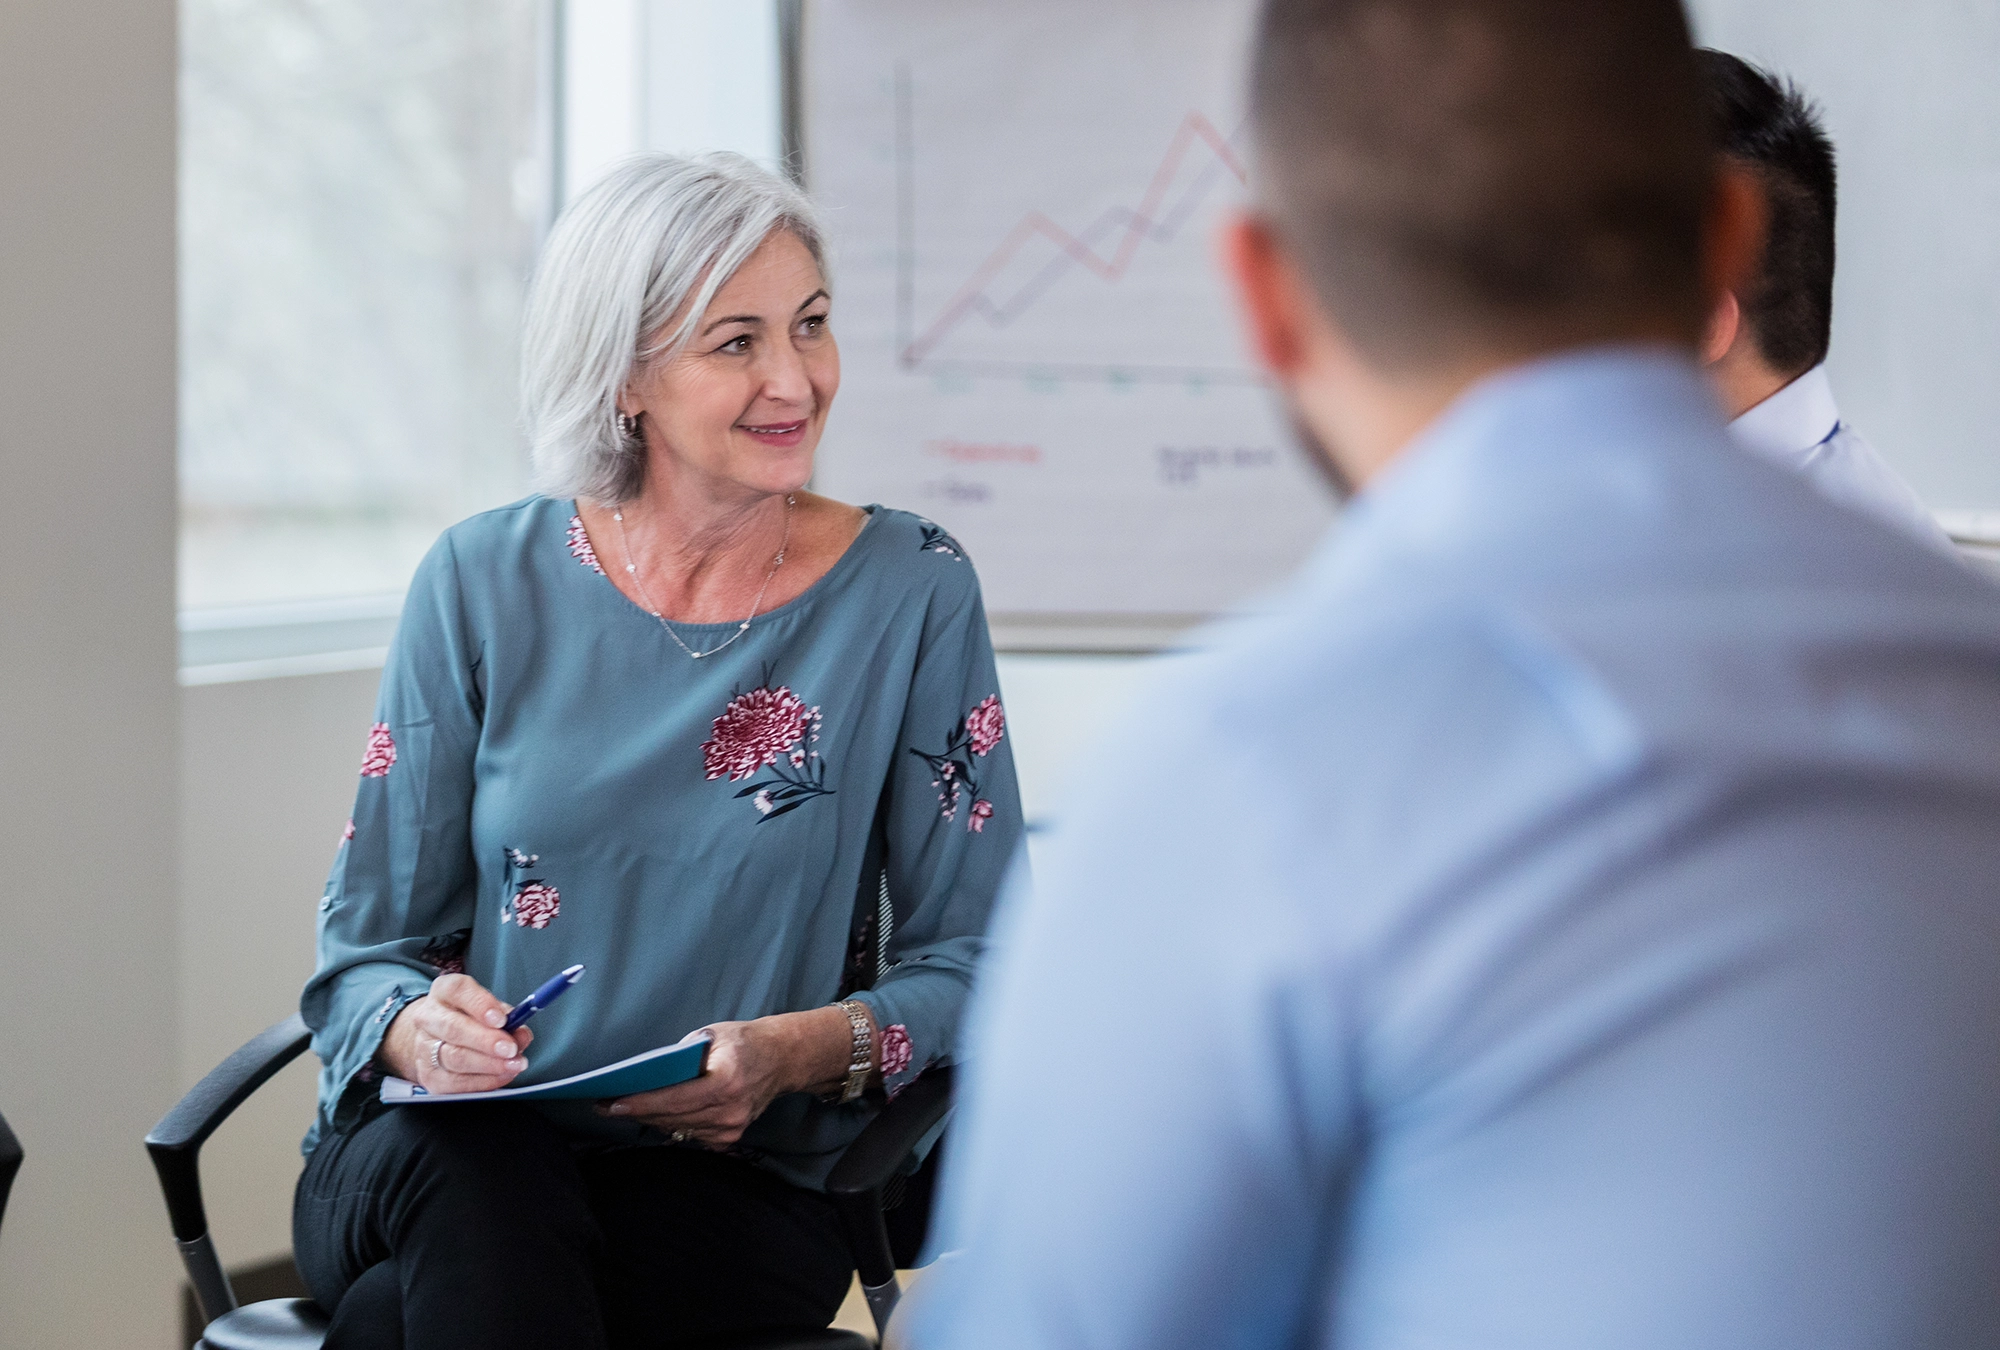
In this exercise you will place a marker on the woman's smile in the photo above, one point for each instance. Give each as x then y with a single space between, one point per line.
777 435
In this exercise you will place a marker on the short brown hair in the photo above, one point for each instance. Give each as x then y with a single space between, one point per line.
1464 177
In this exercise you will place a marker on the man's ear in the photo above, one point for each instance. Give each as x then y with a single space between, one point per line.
1725 321
1733 242
1267 290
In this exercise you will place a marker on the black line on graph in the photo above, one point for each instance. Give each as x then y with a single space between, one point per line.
906 210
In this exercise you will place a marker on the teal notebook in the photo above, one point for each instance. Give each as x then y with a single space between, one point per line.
659 1068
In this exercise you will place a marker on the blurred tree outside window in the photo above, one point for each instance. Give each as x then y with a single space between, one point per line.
363 187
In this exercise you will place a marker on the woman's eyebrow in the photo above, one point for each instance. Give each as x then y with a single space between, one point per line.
752 319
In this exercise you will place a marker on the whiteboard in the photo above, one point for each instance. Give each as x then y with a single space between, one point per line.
1037 350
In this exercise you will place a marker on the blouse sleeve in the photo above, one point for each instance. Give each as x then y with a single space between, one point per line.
953 826
399 904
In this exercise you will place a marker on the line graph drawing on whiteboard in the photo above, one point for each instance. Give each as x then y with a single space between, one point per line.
987 326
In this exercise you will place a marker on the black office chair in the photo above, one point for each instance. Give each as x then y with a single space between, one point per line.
870 1176
10 1163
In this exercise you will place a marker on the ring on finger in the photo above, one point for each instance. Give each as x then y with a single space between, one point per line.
437 1053
679 1137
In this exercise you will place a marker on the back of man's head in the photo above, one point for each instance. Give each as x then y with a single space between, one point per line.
1769 127
1466 179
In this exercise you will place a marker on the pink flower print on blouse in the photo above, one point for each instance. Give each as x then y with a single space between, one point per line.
579 546
347 833
754 733
533 902
381 752
986 724
955 768
896 1049
754 730
536 903
447 953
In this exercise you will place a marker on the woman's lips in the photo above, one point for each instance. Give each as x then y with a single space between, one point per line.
778 434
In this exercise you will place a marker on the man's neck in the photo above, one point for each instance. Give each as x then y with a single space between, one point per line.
1363 418
1359 427
1742 379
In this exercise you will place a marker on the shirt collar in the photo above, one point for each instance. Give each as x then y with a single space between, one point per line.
1792 421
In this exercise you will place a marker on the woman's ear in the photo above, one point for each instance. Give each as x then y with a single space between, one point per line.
1725 321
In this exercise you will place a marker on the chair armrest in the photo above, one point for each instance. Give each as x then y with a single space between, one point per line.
175 1143
10 1162
879 1151
875 1157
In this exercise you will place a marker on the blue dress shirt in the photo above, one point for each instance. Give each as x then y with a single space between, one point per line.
1800 428
1572 920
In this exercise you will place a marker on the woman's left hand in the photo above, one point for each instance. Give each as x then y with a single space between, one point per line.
750 1065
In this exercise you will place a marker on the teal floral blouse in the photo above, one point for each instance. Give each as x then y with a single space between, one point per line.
826 807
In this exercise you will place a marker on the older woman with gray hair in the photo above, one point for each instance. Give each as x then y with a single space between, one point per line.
679 720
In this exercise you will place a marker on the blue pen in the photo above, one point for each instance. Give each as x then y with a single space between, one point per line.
542 997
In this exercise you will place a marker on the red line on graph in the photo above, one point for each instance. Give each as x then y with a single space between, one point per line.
1194 129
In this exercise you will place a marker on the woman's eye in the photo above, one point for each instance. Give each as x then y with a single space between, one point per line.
814 325
737 345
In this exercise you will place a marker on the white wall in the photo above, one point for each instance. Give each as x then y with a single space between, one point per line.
268 771
711 77
604 105
1913 107
87 742
684 76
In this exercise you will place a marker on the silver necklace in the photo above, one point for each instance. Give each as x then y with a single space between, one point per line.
632 571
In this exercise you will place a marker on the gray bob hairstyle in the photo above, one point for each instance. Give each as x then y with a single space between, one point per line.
655 237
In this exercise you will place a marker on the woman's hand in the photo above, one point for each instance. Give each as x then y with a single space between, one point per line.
450 1039
750 1065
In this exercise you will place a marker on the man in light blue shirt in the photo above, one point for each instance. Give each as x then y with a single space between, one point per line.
1766 348
1571 919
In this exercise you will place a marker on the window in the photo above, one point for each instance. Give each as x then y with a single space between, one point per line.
363 187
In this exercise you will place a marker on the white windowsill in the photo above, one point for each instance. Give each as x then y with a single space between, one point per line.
266 642
1979 529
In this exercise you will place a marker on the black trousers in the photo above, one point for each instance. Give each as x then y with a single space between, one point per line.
477 1225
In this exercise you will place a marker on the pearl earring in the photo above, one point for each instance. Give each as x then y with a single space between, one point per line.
628 425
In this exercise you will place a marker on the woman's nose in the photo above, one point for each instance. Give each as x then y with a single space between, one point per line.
786 379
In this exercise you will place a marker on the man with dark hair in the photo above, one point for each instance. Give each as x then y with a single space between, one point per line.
1766 347
1569 918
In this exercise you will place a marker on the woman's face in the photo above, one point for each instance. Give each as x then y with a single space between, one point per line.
741 408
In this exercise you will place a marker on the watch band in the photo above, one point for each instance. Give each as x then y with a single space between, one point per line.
861 1058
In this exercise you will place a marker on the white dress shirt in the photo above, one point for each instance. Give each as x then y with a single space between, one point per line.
1569 920
1799 428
